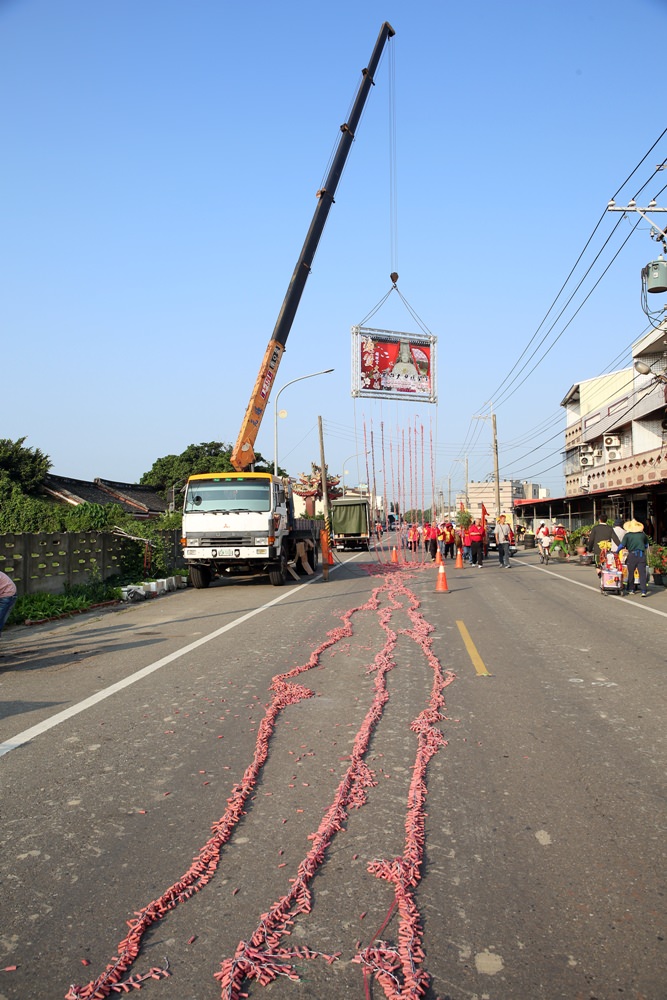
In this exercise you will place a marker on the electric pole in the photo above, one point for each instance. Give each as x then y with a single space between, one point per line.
496 470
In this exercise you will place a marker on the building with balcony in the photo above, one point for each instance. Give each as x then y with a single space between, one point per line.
615 457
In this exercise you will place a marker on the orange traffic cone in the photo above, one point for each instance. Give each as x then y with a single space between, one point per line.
330 560
459 558
394 555
441 584
438 557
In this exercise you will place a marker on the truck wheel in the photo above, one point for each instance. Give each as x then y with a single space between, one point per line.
200 576
278 574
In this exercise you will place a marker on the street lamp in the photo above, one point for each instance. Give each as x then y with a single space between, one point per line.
275 413
356 455
645 369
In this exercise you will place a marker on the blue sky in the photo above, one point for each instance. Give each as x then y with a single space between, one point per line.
159 169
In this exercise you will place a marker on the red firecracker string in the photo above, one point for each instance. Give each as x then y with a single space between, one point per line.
396 968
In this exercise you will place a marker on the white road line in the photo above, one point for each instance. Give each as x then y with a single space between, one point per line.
636 604
43 727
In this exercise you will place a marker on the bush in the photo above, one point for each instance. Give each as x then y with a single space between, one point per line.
35 607
579 536
657 558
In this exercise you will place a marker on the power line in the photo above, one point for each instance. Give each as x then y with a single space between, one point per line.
569 276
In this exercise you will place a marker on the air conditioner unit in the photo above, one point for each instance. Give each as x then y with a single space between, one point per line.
585 449
611 441
585 460
613 454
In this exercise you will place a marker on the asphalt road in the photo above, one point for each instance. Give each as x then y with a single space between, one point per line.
475 776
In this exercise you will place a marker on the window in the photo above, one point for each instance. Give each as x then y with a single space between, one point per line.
228 496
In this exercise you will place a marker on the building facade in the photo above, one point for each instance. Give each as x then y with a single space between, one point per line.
484 493
615 454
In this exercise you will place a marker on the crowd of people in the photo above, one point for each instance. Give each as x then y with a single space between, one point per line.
473 540
622 546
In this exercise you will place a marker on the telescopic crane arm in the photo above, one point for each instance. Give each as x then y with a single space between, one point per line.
243 454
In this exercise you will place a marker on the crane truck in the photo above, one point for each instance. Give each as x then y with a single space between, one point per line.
243 521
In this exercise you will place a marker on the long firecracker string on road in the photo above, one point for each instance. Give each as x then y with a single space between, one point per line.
252 959
405 872
396 970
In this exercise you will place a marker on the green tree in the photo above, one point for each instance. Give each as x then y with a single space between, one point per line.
91 516
211 456
464 518
24 466
20 512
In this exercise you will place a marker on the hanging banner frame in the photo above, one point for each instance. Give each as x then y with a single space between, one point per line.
387 364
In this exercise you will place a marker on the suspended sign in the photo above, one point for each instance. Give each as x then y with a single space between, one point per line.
393 365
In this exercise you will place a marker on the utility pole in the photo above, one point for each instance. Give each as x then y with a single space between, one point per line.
496 470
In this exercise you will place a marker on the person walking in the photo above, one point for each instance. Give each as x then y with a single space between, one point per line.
601 532
467 555
413 537
7 598
503 534
636 542
477 533
441 540
450 539
617 534
431 539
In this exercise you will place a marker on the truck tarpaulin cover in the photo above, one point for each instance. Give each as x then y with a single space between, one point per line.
393 365
350 518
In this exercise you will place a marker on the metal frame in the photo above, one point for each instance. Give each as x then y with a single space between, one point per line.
427 395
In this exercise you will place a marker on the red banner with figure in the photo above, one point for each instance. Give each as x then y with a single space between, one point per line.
395 365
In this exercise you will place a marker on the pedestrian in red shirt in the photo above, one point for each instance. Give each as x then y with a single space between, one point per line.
432 535
477 535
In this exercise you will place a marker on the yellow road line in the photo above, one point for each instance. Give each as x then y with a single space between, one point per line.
477 661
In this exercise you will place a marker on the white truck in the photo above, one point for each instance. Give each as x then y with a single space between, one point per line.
243 523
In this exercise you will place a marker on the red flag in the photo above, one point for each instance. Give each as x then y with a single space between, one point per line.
484 515
461 505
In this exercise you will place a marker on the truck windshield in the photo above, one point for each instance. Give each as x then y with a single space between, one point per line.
228 496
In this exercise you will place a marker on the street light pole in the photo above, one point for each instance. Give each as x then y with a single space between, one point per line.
356 455
275 412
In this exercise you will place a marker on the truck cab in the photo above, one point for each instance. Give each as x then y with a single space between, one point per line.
241 523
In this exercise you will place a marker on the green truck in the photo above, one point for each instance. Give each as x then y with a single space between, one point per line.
351 523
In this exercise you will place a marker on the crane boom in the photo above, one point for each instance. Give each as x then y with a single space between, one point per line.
243 454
